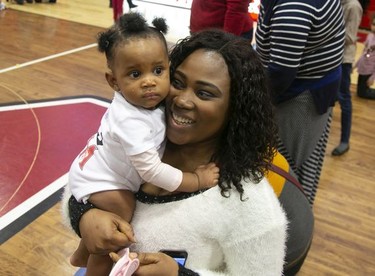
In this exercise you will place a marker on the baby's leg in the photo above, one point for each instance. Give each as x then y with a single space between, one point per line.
80 256
99 265
120 202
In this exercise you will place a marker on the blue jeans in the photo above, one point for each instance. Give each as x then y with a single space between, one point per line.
345 101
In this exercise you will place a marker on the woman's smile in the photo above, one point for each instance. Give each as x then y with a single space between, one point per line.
180 120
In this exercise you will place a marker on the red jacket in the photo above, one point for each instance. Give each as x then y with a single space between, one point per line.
230 15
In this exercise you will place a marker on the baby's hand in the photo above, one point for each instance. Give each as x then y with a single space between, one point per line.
208 175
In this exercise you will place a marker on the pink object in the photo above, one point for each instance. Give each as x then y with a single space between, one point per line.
125 266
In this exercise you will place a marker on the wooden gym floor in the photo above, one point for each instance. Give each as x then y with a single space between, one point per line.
48 51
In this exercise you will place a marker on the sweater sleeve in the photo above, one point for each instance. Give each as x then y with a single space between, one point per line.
152 170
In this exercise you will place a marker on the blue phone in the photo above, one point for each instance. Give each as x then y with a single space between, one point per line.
179 256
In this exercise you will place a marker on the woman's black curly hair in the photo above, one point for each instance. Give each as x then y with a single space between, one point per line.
129 26
248 143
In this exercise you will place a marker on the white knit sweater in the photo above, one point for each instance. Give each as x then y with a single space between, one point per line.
223 236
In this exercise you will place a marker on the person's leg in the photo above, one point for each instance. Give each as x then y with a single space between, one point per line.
362 85
117 9
303 136
80 256
363 90
131 5
346 110
98 265
120 202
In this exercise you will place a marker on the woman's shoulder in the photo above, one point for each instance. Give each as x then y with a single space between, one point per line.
257 214
258 202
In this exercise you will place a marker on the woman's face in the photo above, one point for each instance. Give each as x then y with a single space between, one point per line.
198 102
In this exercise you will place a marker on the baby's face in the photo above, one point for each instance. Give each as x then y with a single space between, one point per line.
141 69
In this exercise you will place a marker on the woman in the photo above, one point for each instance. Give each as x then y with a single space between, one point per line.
218 110
230 16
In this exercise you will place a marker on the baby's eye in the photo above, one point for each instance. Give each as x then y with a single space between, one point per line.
135 74
158 71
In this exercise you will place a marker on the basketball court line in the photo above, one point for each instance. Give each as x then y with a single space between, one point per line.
178 12
18 66
33 206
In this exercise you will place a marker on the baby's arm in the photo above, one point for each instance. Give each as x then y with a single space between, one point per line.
205 176
154 171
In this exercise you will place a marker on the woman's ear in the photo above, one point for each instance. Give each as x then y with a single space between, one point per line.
112 80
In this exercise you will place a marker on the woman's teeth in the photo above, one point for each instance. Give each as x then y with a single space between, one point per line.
180 120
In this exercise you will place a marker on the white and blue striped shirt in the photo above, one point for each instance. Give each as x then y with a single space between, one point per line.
299 40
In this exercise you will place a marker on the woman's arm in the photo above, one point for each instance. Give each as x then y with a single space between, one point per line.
101 231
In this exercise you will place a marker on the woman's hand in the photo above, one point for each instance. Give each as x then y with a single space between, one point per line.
155 264
104 232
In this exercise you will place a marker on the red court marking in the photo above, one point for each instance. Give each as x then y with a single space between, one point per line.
65 127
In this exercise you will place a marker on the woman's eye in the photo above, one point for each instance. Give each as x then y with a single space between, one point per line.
158 71
204 94
177 84
135 74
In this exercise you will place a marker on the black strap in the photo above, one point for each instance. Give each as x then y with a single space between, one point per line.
287 176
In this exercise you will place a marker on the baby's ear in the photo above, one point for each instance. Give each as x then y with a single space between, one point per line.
111 80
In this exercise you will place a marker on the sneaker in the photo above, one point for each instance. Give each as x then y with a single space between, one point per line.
2 6
340 149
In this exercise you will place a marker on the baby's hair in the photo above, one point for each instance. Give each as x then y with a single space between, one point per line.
130 26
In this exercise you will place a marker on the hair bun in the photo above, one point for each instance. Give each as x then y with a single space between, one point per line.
160 24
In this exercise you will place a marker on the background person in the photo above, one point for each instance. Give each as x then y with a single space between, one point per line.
230 16
352 17
117 6
366 66
301 45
